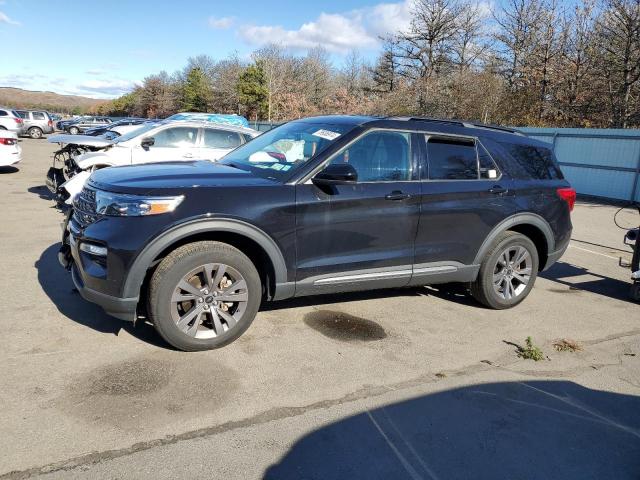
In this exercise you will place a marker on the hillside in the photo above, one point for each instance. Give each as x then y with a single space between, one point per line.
19 98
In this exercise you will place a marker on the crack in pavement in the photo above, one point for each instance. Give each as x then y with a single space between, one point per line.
280 413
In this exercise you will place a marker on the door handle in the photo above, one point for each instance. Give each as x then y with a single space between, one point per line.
187 155
498 190
397 195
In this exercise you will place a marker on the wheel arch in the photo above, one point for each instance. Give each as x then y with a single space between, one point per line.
252 241
533 226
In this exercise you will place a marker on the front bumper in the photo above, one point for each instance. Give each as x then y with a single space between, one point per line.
85 270
122 308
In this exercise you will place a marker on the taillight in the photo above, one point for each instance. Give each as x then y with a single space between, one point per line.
50 123
8 141
569 196
18 120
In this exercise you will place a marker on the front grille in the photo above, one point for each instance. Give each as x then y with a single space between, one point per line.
84 207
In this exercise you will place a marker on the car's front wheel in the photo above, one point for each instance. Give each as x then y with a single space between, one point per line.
74 130
508 272
204 295
35 132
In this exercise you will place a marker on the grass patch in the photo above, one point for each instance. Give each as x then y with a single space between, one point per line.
530 351
567 345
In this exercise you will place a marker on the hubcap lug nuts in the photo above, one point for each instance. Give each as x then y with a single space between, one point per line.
200 300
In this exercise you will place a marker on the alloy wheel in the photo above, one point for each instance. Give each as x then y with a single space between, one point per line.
512 272
209 301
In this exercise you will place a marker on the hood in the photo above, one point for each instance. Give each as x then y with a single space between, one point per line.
86 140
176 176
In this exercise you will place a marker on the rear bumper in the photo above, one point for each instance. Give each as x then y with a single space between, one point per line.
122 308
553 257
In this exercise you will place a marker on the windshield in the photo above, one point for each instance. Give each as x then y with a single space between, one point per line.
279 152
138 131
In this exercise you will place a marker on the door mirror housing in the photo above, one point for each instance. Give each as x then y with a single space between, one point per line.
147 142
336 174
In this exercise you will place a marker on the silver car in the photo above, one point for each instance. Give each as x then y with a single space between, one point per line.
10 120
36 122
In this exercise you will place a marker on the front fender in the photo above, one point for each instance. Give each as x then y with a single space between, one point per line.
157 245
74 185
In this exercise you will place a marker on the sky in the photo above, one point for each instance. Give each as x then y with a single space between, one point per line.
102 49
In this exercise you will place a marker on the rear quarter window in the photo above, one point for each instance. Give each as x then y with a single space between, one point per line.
534 161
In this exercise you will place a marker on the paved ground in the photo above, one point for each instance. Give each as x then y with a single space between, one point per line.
414 383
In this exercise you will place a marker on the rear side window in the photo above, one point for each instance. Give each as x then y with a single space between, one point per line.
22 114
38 115
3 113
537 162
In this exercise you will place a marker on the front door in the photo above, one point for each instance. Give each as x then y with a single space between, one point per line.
361 235
170 144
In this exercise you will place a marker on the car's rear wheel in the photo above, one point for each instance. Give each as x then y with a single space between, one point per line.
204 295
35 132
74 130
508 272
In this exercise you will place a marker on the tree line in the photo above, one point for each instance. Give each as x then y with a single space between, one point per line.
528 62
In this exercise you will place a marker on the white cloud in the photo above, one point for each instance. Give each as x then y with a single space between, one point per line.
337 32
95 71
5 19
221 23
106 87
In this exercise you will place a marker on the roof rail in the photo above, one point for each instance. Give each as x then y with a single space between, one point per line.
459 123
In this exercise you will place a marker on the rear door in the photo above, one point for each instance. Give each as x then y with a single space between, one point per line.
464 196
170 144
217 142
361 235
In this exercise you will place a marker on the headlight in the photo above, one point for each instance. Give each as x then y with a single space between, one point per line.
120 205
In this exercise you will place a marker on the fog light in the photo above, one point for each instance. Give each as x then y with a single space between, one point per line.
93 249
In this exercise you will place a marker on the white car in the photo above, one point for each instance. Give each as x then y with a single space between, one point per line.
10 151
163 141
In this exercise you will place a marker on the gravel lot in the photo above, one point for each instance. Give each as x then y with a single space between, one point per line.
415 383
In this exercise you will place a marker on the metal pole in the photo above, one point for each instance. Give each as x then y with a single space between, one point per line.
634 189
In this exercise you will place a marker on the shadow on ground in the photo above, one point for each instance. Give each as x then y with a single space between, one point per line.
57 284
5 170
569 275
42 191
516 430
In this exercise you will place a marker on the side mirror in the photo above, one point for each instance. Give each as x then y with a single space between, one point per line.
147 142
336 174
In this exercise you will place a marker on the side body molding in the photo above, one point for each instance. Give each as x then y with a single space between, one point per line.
139 268
512 221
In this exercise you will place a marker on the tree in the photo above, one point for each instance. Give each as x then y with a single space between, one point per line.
619 47
252 90
195 92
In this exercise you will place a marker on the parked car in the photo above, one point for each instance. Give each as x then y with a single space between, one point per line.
10 120
120 126
10 151
156 142
62 124
36 122
320 205
86 123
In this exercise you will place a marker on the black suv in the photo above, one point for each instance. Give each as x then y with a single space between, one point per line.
325 204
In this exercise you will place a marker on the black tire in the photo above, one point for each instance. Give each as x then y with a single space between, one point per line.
178 264
35 133
74 130
483 288
2 128
634 293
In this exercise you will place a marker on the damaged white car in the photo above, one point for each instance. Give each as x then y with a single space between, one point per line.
153 142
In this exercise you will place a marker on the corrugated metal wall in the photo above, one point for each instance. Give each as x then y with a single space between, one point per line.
598 162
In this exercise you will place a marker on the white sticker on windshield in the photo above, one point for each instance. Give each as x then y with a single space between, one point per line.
326 134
